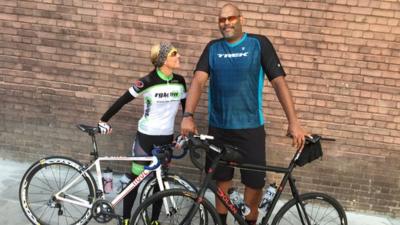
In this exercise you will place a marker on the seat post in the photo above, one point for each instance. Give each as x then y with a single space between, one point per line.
95 152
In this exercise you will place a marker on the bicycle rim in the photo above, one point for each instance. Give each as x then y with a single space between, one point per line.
321 209
43 180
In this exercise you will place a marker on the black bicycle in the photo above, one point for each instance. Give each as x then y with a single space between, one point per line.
306 209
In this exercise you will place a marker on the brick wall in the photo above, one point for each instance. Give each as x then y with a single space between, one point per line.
63 62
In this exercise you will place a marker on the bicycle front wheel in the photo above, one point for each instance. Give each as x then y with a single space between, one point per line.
175 205
169 181
320 209
47 177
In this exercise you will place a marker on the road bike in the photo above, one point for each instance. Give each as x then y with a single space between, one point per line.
303 209
61 190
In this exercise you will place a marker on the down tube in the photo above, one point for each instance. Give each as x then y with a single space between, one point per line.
224 198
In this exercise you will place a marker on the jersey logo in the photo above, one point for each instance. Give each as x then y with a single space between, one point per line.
166 94
234 55
148 106
138 84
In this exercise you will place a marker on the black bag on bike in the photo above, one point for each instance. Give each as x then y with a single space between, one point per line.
233 154
312 151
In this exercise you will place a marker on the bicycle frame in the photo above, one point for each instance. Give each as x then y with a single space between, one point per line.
97 165
154 166
224 198
286 178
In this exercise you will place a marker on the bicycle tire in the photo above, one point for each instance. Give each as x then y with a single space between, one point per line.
184 200
44 179
174 181
321 209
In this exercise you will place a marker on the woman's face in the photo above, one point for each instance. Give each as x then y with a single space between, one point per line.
172 60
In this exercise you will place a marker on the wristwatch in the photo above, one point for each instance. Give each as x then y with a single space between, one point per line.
188 114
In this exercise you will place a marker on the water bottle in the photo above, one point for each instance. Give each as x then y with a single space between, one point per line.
238 201
267 198
123 182
108 180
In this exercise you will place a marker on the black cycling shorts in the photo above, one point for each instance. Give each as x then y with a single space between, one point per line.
252 141
144 143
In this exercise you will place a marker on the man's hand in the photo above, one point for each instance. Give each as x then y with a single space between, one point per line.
297 133
188 126
104 128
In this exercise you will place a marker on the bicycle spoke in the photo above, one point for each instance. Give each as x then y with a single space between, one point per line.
55 178
43 182
51 215
69 213
319 208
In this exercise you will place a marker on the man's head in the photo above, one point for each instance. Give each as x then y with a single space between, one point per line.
230 22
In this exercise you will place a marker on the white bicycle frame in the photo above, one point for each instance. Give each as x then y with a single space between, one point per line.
62 194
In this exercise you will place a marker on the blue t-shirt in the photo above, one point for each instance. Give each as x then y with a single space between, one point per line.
236 72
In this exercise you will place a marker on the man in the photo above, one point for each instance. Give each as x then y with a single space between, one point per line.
235 65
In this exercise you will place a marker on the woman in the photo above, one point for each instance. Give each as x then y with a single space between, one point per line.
162 91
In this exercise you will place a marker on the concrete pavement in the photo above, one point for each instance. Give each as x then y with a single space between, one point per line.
11 173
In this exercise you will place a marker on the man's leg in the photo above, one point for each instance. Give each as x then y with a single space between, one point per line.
252 198
254 181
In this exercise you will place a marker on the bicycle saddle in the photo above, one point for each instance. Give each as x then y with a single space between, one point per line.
88 129
233 154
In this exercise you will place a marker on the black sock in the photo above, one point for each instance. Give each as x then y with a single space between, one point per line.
251 222
223 218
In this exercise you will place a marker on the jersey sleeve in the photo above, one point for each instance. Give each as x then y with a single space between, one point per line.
124 99
203 63
139 86
269 59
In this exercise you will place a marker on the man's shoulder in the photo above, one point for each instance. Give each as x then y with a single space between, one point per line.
257 36
215 41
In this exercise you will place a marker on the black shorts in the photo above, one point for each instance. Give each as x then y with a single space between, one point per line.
252 141
144 143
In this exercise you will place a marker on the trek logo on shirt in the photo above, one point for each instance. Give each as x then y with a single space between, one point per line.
234 55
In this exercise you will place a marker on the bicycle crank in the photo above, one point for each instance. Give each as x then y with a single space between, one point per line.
102 211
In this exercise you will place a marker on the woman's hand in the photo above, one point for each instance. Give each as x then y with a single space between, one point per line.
104 128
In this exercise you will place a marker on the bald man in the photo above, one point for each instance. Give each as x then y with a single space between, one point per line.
236 65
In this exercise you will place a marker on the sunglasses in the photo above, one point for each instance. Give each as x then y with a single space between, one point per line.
173 53
230 19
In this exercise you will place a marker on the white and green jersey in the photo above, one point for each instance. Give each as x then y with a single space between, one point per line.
162 95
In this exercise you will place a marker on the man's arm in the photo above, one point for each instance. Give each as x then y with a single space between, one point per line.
196 88
295 130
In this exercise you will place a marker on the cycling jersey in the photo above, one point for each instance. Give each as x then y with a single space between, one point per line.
162 95
236 73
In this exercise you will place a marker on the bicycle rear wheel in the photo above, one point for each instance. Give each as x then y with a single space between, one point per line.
175 205
44 179
320 209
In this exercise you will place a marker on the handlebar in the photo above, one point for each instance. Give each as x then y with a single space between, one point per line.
164 154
